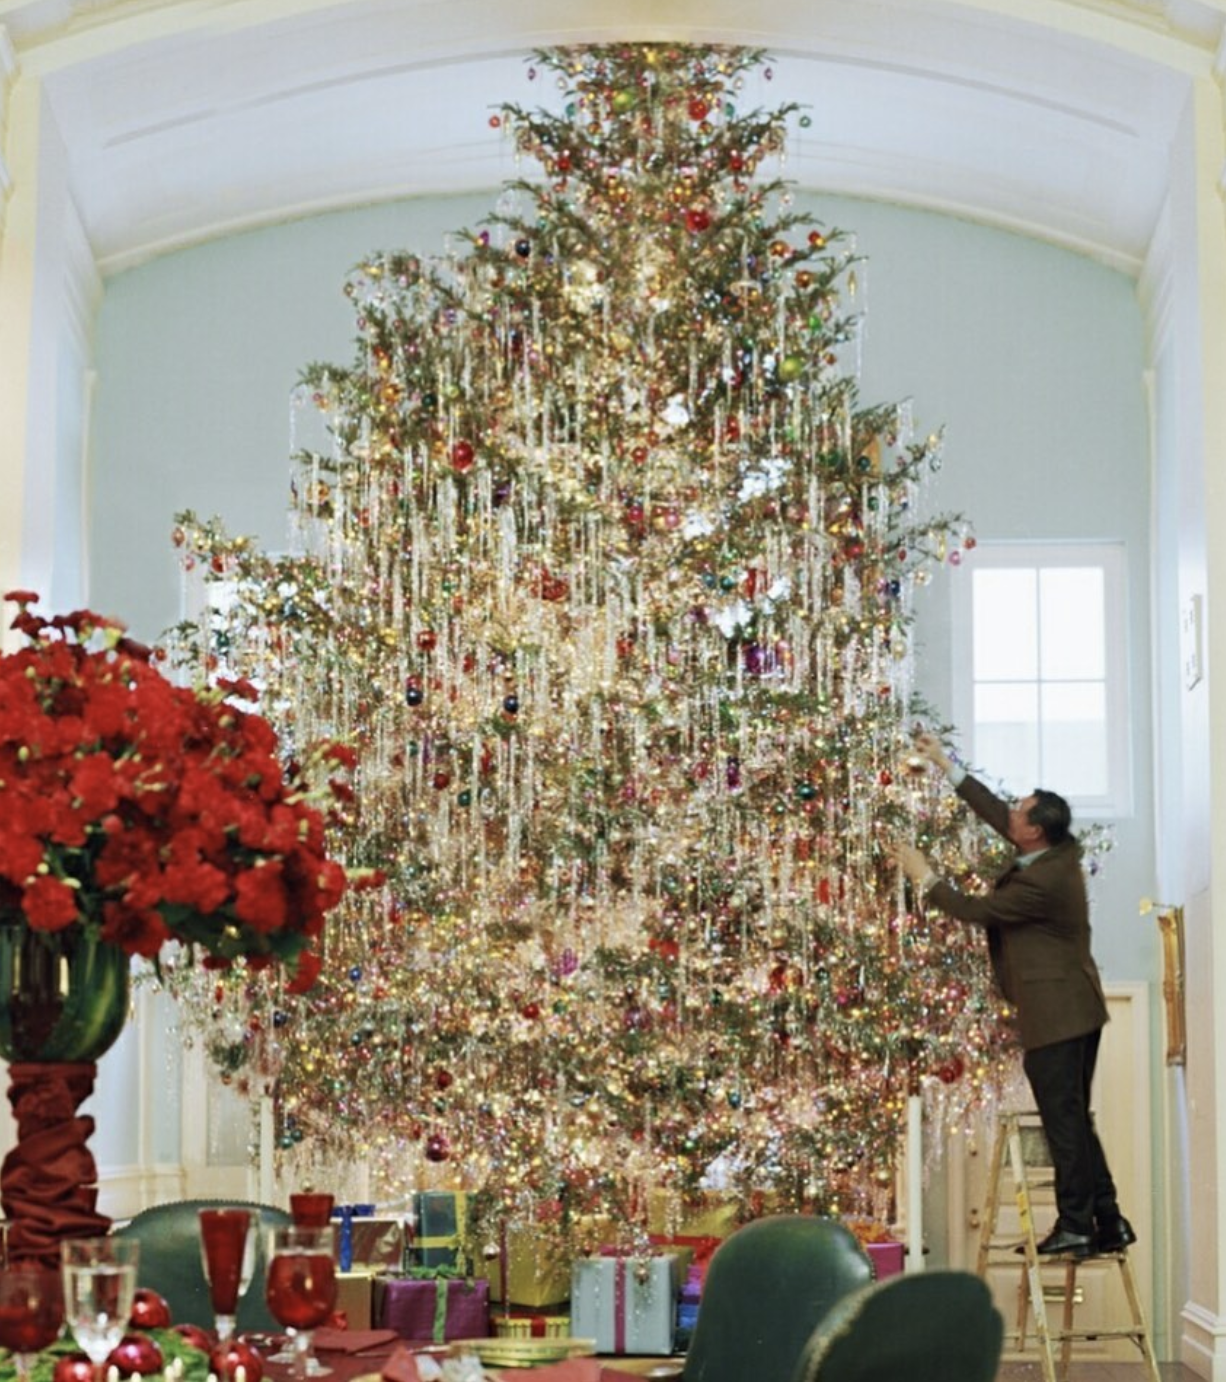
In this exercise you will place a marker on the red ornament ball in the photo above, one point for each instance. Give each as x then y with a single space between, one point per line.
194 1335
697 219
149 1310
462 456
73 1367
226 1359
952 1070
136 1353
698 108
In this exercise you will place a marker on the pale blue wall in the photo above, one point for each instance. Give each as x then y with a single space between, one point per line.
1030 356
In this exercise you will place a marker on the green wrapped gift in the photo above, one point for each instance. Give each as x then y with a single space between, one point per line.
441 1216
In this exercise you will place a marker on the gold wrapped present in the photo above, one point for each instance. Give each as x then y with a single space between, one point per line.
531 1326
714 1216
536 1274
355 1296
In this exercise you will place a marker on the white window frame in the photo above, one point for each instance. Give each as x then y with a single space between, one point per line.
1110 559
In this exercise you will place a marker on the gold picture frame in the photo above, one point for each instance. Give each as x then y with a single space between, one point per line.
1170 932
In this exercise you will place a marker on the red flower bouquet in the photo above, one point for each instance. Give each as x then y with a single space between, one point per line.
148 812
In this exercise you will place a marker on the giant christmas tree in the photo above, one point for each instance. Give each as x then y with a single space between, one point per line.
607 573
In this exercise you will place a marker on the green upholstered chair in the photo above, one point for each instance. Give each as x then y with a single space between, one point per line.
930 1327
768 1286
169 1236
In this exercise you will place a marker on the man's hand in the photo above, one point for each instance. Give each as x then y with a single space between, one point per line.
913 863
929 746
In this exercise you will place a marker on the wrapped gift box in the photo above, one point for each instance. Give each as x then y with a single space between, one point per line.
378 1243
437 1309
886 1258
530 1324
695 1251
627 1304
440 1228
714 1216
687 1318
355 1297
534 1276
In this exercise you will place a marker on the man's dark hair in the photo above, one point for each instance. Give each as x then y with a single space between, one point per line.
1051 813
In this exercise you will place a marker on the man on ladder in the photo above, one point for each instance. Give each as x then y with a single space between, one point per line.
1038 929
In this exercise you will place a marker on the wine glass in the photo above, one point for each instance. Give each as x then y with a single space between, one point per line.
99 1281
311 1209
301 1289
227 1252
31 1312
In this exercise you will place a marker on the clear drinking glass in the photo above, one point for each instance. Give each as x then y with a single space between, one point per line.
31 1312
99 1280
301 1289
227 1252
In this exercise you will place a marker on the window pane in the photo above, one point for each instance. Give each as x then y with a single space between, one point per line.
1074 718
1004 624
1072 638
1006 733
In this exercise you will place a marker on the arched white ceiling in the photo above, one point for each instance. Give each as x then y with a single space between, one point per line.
187 119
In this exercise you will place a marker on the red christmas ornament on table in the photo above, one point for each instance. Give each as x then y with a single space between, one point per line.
226 1359
136 1353
73 1367
195 1335
149 1310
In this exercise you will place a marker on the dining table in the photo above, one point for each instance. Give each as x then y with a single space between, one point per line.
354 1354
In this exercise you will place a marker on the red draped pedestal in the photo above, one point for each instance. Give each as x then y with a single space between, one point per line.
48 1184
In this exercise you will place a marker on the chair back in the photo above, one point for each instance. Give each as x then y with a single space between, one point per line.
930 1327
170 1264
768 1286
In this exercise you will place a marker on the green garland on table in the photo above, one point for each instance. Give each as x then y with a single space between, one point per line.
174 1346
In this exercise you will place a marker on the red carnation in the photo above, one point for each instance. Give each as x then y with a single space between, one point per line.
306 972
260 897
138 930
49 904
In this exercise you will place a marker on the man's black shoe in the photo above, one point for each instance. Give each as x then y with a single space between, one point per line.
1061 1243
1115 1235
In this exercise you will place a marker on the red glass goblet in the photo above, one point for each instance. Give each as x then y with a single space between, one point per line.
311 1209
31 1312
227 1253
301 1289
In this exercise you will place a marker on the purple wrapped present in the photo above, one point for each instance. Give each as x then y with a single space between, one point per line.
435 1308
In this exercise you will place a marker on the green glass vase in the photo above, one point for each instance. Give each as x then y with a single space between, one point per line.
63 1002
63 994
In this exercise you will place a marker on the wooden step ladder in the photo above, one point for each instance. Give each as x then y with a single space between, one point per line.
1020 1141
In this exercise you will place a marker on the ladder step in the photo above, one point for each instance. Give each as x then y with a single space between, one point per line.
1060 1336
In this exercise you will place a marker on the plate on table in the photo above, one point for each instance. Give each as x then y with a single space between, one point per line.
525 1353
